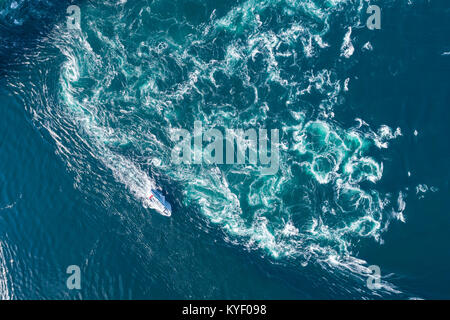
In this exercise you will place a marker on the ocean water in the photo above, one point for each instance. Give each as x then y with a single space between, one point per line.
86 131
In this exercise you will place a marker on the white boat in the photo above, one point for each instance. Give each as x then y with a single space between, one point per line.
159 203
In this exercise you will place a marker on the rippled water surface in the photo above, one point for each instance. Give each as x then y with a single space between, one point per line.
88 117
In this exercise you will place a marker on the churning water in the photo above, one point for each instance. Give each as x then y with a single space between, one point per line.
88 116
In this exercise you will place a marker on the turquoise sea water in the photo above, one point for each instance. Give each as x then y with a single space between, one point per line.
86 130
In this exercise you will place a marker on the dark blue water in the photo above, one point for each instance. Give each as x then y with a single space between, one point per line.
85 134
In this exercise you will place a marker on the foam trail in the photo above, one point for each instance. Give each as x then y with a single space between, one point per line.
124 170
6 293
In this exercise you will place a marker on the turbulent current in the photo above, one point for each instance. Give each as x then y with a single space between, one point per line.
111 94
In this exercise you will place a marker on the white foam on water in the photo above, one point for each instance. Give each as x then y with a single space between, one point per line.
83 112
347 48
6 289
253 210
